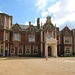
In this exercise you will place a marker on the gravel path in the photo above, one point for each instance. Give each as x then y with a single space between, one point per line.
37 66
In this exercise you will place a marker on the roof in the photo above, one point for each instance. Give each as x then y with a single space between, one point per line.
5 14
25 26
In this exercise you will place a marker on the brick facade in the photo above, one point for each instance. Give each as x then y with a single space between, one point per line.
30 39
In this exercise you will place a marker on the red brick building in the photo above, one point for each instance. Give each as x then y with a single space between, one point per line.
16 39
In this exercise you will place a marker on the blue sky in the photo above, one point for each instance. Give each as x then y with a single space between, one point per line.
23 11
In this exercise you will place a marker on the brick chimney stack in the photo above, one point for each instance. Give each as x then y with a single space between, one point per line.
38 23
30 23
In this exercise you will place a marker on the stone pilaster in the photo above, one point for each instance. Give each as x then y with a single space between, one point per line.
4 45
41 43
46 50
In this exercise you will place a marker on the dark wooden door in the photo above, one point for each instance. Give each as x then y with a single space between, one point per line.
49 51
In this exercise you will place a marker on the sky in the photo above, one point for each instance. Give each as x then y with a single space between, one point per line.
23 11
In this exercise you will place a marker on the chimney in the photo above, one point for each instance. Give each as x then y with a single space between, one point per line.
30 23
38 23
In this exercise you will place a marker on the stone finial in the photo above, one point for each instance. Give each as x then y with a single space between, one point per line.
48 19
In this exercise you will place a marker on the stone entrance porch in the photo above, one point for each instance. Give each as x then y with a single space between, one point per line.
52 43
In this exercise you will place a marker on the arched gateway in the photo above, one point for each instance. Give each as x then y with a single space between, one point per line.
51 47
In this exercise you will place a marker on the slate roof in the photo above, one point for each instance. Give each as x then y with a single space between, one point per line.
25 26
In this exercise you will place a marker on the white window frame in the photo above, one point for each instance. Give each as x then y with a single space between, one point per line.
69 50
19 36
14 49
33 50
18 50
31 40
26 49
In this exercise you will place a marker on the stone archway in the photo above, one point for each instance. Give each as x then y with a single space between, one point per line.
53 44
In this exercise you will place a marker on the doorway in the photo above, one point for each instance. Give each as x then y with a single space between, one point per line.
6 52
49 50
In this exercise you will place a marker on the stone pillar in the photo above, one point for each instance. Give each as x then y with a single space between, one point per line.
55 50
41 43
4 45
46 50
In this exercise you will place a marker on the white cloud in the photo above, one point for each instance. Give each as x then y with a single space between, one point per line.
41 4
62 11
0 11
44 14
26 23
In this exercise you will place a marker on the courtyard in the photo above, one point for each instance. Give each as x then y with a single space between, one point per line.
37 66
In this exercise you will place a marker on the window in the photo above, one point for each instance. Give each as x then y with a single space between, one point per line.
27 49
35 49
20 50
2 20
32 38
1 49
67 41
17 37
6 36
46 36
12 49
31 29
49 35
67 50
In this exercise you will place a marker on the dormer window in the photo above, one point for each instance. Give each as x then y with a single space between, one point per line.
31 29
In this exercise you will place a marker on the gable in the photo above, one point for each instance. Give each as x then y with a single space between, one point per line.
16 27
66 31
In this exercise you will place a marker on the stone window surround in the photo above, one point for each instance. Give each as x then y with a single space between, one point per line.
19 36
26 49
22 49
37 49
70 39
14 49
47 32
34 37
67 47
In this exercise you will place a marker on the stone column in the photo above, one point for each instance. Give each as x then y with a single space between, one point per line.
46 50
4 45
41 43
55 50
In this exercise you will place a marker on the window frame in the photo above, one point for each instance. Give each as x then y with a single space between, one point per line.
18 50
13 48
33 50
26 49
31 40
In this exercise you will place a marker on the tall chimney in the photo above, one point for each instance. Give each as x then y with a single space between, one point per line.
38 23
30 23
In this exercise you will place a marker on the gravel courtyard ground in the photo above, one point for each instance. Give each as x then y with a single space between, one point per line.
37 66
